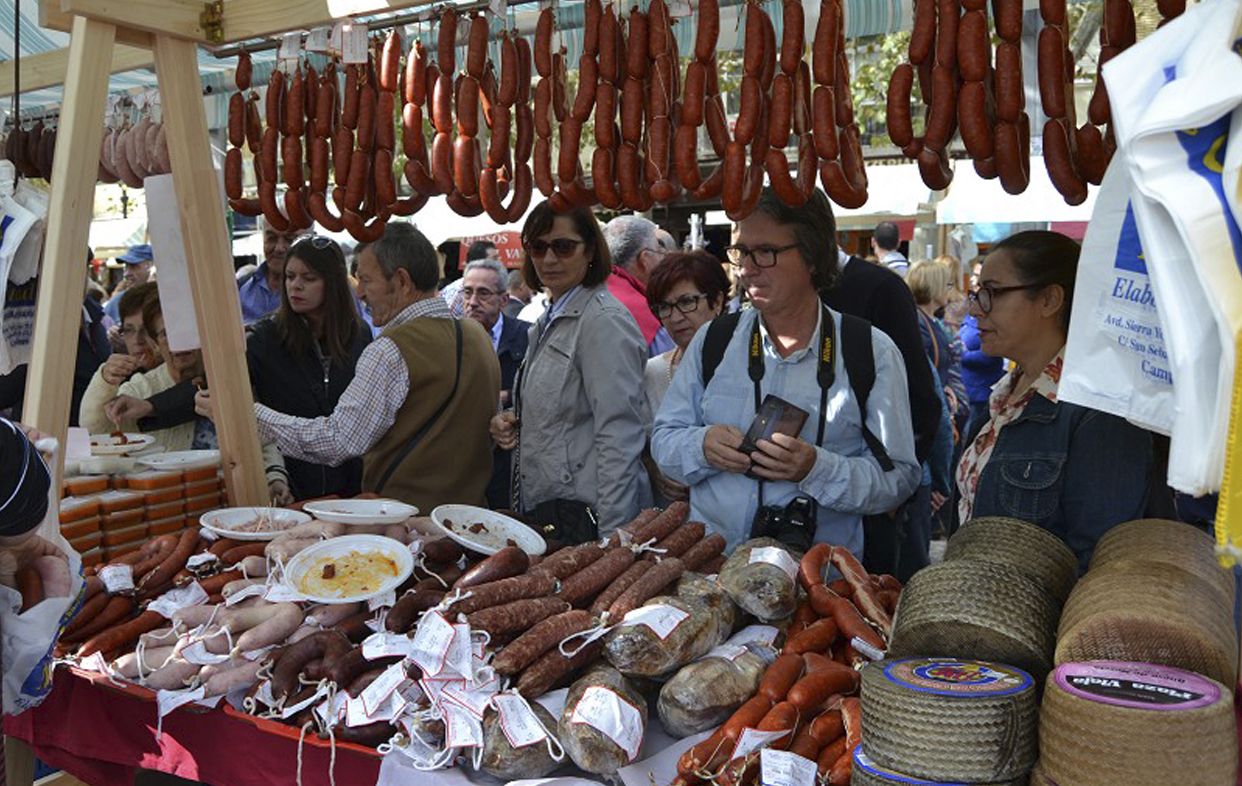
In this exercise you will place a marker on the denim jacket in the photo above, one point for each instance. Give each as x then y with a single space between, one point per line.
1074 471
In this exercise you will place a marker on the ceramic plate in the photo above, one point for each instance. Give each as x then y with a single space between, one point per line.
119 444
251 523
361 511
379 564
181 459
486 531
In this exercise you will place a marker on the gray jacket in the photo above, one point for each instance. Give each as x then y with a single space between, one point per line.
582 410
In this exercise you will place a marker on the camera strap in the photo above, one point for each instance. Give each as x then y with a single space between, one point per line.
825 373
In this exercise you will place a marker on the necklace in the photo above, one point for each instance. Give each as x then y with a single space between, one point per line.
672 363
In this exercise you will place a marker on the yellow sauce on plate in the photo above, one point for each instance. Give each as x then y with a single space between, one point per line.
354 573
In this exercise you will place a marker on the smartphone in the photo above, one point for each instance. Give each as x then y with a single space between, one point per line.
775 416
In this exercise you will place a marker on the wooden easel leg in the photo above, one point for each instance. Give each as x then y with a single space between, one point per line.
211 272
62 277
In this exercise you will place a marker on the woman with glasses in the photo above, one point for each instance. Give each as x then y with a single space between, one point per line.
577 423
1076 472
303 357
685 292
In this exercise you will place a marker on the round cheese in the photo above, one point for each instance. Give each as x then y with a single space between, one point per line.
1029 549
1171 543
867 773
1113 723
949 720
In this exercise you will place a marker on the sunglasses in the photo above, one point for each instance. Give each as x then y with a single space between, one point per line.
318 242
562 247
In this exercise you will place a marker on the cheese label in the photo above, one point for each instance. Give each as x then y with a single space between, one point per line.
863 763
775 556
607 712
1140 686
782 768
953 677
662 620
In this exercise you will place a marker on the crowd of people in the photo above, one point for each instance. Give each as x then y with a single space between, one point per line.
789 389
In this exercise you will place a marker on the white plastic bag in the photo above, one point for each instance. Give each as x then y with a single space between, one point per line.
16 223
1115 360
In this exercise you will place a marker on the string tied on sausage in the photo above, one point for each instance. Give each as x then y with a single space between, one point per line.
649 546
301 742
588 636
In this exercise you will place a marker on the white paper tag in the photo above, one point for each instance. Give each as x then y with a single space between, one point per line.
386 645
431 643
320 692
460 657
169 700
868 651
174 600
433 688
782 768
205 558
253 655
197 653
474 699
382 600
378 692
354 43
117 578
751 740
211 702
554 701
250 591
282 593
663 620
728 651
602 709
332 711
356 712
774 555
96 662
461 728
337 36
290 46
764 634
518 721
317 39
264 694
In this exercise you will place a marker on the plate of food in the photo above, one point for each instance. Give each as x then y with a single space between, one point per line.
251 523
181 460
349 569
118 443
486 531
361 511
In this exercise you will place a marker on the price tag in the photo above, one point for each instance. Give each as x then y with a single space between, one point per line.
251 591
774 555
382 600
431 643
663 620
173 601
604 710
729 651
264 694
253 655
518 721
460 658
197 653
473 699
332 711
290 711
169 700
117 578
751 740
378 692
290 46
337 36
433 688
554 701
96 662
317 39
782 768
354 43
199 560
461 728
385 645
282 593
764 634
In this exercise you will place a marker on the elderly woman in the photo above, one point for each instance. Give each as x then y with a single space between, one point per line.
579 413
1074 471
931 284
685 292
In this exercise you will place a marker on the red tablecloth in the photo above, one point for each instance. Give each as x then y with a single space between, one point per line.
101 734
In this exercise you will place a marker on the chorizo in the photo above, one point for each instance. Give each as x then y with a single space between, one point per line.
325 105
517 616
495 593
605 115
446 41
1051 69
242 75
694 95
1059 161
342 153
592 13
233 173
571 559
543 109
385 134
560 102
923 34
823 120
584 99
708 548
897 109
610 47
1008 20
707 31
618 586
349 99
468 107
465 165
679 541
406 611
637 50
631 111
1091 157
442 104
365 136
780 115
791 36
551 667
780 676
814 689
275 98
237 120
629 175
716 122
122 636
973 120
1098 111
942 121
974 46
507 91
816 637
543 166
747 716
509 561
770 52
476 48
385 179
1010 92
604 178
291 161
949 15
293 115
416 75
524 128
1011 161
413 143
299 219
543 43
646 587
748 113
588 582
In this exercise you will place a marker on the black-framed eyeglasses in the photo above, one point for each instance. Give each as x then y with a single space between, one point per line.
563 247
686 304
763 256
481 293
984 296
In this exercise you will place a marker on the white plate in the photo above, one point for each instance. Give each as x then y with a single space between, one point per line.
224 522
182 459
499 529
361 511
119 445
305 559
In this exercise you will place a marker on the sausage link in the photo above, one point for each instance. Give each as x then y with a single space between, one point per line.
791 36
587 583
618 586
816 637
814 689
476 48
748 115
495 593
385 133
507 91
293 115
824 121
543 109
780 676
509 561
685 157
560 102
442 104
416 75
1059 161
241 76
679 541
275 97
446 42
405 612
571 559
974 46
1011 160
543 166
551 667
237 120
604 176
1091 157
748 716
592 12
1008 20
605 116
638 46
516 616
468 107
1010 93
610 47
1051 69
780 116
365 137
973 120
349 99
254 126
949 16
543 43
897 114
650 584
923 36
233 173
584 99
708 548
707 31
1052 12
122 636
942 121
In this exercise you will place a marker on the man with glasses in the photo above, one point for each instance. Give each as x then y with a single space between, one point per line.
854 453
139 356
484 291
637 247
260 291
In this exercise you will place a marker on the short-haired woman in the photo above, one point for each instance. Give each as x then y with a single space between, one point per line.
1074 471
578 421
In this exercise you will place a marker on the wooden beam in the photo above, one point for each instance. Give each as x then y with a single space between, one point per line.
48 68
52 18
70 208
171 17
217 308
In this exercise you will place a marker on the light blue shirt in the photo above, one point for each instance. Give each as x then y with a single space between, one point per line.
257 299
846 479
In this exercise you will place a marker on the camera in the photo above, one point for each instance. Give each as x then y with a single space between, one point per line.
792 524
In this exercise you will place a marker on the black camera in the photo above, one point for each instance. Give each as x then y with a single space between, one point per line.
793 524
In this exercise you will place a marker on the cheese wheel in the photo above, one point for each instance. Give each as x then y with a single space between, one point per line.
867 773
1113 723
1030 549
967 609
1170 542
948 720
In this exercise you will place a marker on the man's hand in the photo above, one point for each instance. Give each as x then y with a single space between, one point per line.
118 368
281 495
203 405
720 448
671 490
937 501
127 409
783 458
504 428
21 550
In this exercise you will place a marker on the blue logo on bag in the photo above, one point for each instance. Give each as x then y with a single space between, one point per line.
1205 149
1129 247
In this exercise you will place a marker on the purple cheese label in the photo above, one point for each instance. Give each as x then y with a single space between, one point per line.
954 677
1141 686
865 764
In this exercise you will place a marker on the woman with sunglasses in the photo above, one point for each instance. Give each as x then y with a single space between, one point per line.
302 357
685 292
1074 471
577 425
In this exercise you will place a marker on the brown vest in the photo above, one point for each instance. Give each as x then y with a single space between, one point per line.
452 463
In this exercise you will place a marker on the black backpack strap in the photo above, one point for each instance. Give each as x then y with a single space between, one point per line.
860 365
423 429
719 332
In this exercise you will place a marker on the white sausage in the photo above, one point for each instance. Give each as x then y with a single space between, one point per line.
283 620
